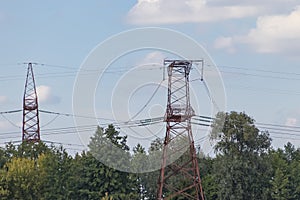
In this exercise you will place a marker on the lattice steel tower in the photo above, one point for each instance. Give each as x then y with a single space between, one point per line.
31 127
179 175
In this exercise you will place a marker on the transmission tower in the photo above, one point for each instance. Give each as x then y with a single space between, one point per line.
31 127
179 174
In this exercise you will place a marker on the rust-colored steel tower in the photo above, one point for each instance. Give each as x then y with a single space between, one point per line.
179 174
31 127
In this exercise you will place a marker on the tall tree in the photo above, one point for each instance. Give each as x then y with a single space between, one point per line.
241 168
285 180
54 170
19 180
208 177
292 156
154 162
112 153
110 148
139 164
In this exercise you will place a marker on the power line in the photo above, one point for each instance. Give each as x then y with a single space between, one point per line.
13 124
65 145
149 121
260 70
139 122
261 76
54 132
68 67
72 71
51 121
265 90
72 67
201 124
277 125
147 102
68 130
65 74
278 129
200 120
210 96
73 115
286 138
284 133
87 128
10 112
61 143
207 92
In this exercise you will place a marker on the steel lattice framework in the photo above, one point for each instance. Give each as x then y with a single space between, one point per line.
179 174
31 128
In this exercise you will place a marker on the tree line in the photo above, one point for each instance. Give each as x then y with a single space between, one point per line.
245 166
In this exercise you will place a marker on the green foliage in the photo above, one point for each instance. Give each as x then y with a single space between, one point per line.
208 178
54 171
280 190
210 186
236 134
20 179
285 180
26 150
109 148
240 167
34 171
3 158
245 167
107 197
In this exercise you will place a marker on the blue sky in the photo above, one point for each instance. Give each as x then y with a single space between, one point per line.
255 44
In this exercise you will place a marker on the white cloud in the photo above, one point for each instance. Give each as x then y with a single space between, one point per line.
225 43
291 122
276 33
267 7
45 95
179 11
272 34
269 4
